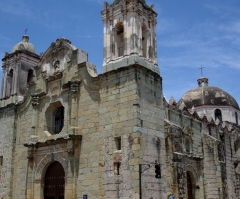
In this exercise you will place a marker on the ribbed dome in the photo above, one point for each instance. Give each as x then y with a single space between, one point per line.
207 95
24 45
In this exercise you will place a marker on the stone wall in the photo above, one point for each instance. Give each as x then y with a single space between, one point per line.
7 146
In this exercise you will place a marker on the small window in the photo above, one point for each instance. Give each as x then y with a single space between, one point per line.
30 76
236 116
111 22
218 114
187 145
1 160
209 130
59 120
117 166
118 142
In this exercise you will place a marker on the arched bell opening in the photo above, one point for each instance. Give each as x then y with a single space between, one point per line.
30 76
119 38
9 83
54 181
145 36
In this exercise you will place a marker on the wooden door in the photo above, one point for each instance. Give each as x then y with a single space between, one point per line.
54 182
189 186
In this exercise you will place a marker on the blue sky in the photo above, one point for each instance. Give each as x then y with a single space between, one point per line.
190 34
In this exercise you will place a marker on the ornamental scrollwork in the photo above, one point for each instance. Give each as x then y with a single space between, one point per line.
35 100
74 86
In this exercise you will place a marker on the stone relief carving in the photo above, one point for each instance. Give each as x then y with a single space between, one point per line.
35 100
181 182
177 139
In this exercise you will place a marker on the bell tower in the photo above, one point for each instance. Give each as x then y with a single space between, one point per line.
129 30
18 71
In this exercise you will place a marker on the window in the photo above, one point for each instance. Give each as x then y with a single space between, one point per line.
119 38
209 130
1 160
144 40
187 145
218 114
54 117
9 83
59 120
117 168
118 142
236 116
111 22
30 76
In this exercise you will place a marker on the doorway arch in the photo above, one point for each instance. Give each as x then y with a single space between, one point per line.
189 186
54 181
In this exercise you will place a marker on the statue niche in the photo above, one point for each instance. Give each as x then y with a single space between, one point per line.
56 67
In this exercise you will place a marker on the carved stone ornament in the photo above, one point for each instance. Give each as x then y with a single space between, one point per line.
237 170
74 86
35 100
70 152
211 141
177 139
54 87
30 157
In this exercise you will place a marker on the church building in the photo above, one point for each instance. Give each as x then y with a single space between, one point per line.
70 133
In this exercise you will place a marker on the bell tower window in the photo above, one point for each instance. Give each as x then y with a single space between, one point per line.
119 39
218 114
9 83
144 40
30 76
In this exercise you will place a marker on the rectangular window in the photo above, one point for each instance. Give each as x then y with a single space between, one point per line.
118 142
111 22
1 160
117 166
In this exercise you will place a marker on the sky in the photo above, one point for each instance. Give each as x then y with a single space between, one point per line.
190 34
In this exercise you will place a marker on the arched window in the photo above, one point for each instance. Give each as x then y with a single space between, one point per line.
218 114
119 39
236 116
30 76
59 120
144 40
9 85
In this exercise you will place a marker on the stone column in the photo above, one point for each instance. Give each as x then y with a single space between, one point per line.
35 104
74 88
3 83
33 139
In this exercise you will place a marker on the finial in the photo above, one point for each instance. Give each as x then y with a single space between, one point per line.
201 70
26 31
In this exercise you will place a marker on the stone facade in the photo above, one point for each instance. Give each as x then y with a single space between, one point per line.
108 130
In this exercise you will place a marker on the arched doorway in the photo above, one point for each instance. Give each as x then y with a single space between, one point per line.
189 187
54 182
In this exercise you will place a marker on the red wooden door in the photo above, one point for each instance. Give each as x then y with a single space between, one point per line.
54 182
189 186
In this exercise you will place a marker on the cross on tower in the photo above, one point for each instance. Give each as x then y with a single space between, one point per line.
201 70
26 31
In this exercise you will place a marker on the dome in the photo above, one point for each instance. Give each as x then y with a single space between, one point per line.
24 45
207 95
